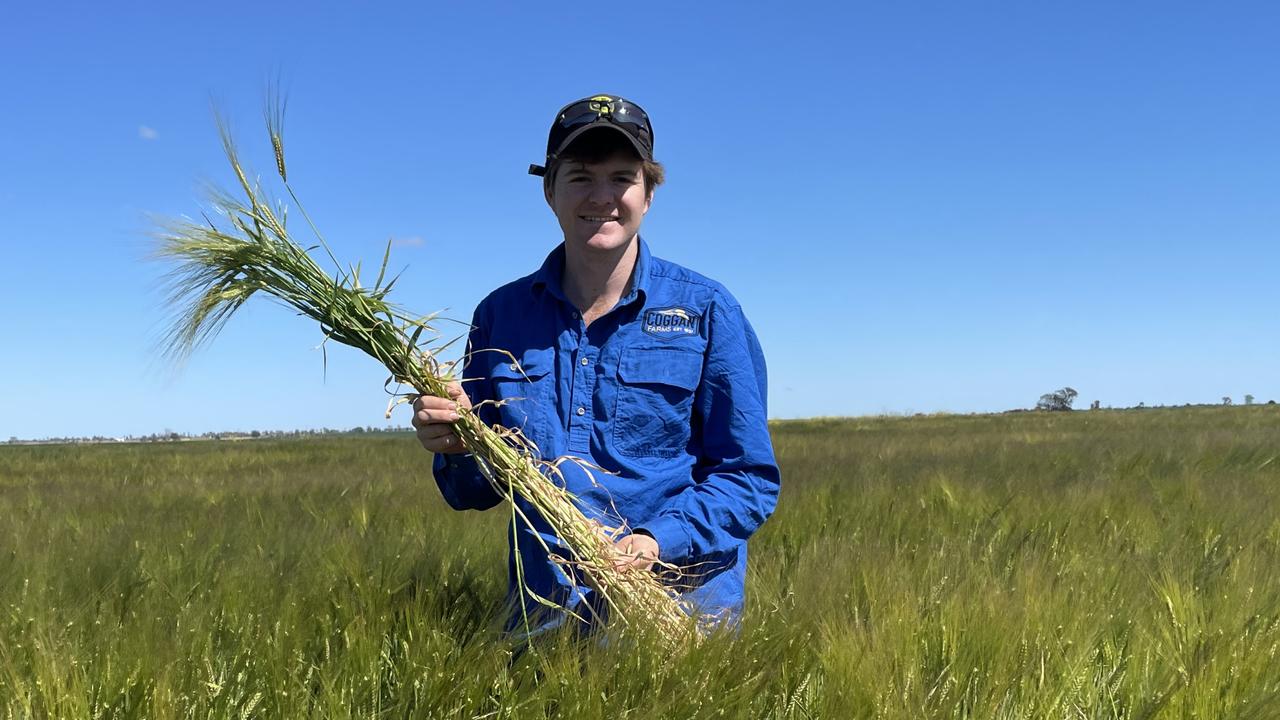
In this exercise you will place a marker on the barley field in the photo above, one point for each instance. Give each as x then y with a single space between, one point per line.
1110 564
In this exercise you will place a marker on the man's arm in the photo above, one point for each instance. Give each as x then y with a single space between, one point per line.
736 479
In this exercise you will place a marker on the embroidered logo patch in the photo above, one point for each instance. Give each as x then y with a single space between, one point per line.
665 322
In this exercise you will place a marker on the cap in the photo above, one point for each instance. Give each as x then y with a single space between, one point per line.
609 111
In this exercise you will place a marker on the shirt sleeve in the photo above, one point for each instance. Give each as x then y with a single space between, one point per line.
461 483
736 479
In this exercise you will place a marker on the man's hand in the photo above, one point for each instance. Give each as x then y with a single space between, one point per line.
432 418
636 551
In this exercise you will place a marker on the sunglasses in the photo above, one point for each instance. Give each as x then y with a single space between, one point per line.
615 110
622 114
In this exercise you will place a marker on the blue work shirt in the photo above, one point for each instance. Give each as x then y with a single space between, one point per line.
666 394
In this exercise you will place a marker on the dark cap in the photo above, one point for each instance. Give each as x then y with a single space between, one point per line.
597 111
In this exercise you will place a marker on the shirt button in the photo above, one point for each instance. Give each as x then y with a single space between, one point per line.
585 361
582 411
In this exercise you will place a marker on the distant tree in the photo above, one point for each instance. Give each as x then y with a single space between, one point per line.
1096 404
255 434
1248 399
1226 400
1142 404
1057 400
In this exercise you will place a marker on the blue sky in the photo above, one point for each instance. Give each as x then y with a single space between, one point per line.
922 207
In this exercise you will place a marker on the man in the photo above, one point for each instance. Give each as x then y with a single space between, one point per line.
640 367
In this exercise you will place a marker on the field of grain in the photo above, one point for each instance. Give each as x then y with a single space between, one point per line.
1038 565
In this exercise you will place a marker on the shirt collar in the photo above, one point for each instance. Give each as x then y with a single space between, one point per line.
551 275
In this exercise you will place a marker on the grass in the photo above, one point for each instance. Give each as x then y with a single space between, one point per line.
1093 565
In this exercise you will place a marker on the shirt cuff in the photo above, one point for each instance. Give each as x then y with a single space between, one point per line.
456 462
673 538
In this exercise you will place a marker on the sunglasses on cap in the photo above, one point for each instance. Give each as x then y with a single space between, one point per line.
598 111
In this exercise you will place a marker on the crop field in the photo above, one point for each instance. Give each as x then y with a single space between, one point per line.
1040 565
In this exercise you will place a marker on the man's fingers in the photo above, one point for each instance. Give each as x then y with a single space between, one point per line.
446 413
432 417
634 562
630 556
434 431
445 442
431 402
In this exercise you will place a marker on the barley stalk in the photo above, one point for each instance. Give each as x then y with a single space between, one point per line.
215 267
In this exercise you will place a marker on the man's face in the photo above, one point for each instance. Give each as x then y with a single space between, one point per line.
599 205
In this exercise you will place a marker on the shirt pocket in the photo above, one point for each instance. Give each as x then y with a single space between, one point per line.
520 389
655 401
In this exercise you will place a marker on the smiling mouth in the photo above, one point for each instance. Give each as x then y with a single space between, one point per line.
597 218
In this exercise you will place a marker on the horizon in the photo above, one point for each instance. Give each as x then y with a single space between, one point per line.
167 435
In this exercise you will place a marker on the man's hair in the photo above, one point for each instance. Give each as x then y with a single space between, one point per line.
598 145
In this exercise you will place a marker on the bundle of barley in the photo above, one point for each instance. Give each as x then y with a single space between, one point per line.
217 266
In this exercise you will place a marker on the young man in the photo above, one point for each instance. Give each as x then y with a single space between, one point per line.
636 365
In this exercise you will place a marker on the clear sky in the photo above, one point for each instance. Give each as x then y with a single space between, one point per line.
922 207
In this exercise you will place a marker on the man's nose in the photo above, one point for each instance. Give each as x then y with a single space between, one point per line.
601 193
